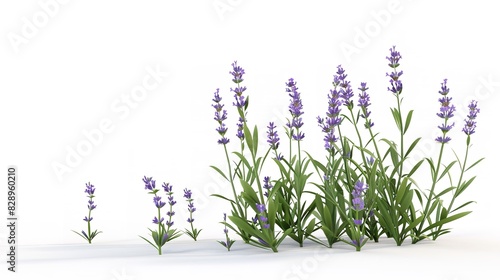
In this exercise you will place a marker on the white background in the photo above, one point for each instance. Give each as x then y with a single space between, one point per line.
66 67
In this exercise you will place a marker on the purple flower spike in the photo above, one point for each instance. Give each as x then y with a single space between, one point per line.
167 187
220 117
295 109
357 193
358 222
261 208
87 219
240 134
187 194
333 118
149 183
364 102
156 221
267 185
446 111
237 73
89 189
470 123
272 136
396 84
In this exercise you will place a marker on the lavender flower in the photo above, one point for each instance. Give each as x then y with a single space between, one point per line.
150 184
156 221
364 102
357 193
272 136
295 109
261 208
445 112
358 222
470 123
220 117
89 189
240 134
237 73
396 84
345 87
267 185
90 235
333 118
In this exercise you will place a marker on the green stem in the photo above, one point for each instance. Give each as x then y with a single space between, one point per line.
434 182
160 235
231 180
88 228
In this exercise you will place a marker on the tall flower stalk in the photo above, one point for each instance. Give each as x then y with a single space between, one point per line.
89 235
193 232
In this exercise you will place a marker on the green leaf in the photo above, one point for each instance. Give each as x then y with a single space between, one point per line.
447 220
412 146
474 164
220 172
445 191
255 140
250 194
447 169
223 197
397 118
461 206
408 121
464 186
248 137
402 190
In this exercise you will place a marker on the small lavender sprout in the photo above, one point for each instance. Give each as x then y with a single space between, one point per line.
228 242
89 235
163 234
193 233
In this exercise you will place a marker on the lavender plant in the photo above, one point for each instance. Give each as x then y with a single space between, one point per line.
164 231
246 174
228 243
89 235
193 232
433 226
364 190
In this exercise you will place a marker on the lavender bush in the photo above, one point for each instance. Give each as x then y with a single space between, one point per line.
361 190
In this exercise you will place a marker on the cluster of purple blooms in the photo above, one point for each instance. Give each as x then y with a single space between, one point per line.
191 208
396 85
445 112
358 204
295 109
150 184
261 210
